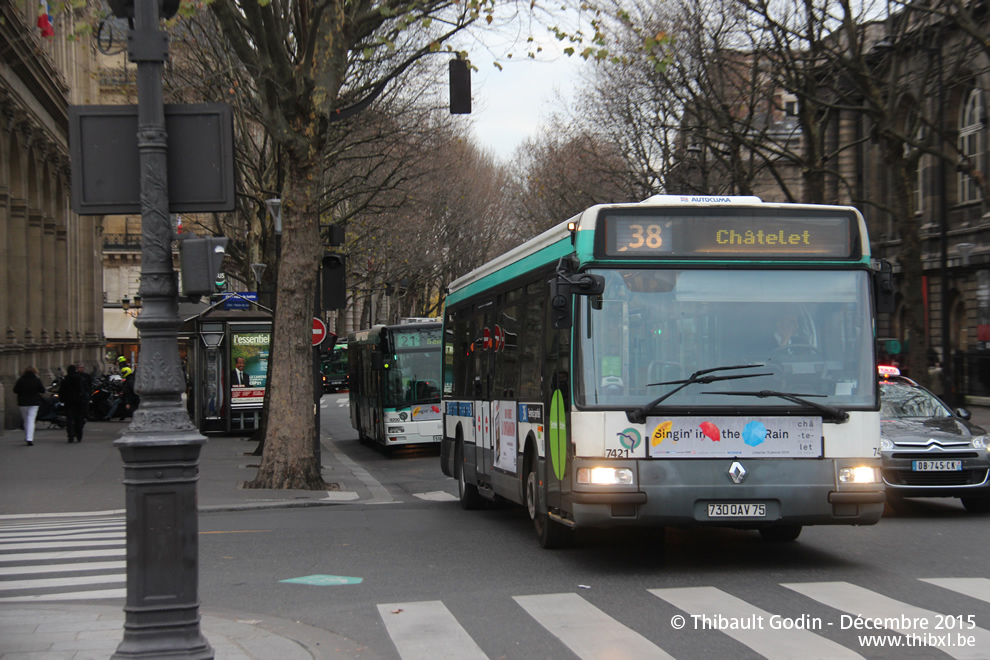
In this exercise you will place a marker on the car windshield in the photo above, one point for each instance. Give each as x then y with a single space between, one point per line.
803 332
900 400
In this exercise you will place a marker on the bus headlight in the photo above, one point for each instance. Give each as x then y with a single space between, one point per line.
605 476
396 429
859 475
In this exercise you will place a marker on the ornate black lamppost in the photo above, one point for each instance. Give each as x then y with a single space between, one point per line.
160 448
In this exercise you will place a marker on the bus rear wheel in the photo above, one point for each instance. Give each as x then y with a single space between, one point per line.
550 533
467 493
781 533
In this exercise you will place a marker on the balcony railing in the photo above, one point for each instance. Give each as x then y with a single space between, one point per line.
121 242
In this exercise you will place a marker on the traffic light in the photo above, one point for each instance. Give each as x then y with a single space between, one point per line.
335 235
334 282
200 260
460 87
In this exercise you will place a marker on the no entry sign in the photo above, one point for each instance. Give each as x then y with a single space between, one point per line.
319 331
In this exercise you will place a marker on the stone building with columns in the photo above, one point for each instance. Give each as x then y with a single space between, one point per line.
51 278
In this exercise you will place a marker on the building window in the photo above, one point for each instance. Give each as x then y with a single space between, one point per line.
970 144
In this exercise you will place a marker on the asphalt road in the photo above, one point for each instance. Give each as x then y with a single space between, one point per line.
413 576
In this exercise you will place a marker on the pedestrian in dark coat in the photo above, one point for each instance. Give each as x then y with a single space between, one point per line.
76 388
29 390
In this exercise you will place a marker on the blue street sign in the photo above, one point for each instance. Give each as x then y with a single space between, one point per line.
233 302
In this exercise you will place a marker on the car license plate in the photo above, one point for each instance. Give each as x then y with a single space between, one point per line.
936 466
737 510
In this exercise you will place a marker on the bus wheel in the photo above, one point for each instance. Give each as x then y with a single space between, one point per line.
780 533
467 493
550 533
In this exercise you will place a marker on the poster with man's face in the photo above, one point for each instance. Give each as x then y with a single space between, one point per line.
248 368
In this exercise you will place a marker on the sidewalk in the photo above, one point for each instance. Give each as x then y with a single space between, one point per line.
54 477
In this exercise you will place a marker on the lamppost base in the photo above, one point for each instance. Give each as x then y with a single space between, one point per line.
161 468
175 634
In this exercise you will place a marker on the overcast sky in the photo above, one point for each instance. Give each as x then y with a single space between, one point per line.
510 105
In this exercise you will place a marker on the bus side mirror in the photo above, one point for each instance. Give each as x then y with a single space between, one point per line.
561 309
562 291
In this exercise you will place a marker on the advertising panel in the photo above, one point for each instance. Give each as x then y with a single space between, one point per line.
248 368
768 437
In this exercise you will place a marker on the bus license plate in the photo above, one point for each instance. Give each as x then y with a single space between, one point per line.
437 438
936 466
728 510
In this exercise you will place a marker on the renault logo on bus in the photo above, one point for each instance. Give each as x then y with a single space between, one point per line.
737 472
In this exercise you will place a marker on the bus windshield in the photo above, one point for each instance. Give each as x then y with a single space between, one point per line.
803 332
413 374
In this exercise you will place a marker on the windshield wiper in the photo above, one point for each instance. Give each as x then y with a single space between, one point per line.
638 416
838 416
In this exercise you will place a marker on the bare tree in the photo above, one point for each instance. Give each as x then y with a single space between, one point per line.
562 172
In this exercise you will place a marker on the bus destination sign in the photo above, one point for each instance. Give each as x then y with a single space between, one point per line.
706 235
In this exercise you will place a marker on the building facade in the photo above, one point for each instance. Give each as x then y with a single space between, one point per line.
50 259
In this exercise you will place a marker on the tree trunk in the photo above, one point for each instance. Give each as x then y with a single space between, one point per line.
916 363
289 460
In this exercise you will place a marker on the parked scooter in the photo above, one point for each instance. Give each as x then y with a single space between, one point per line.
52 411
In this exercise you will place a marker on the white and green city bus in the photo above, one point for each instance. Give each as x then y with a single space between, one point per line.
394 380
684 361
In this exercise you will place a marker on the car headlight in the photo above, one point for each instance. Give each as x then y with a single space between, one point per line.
980 442
862 474
605 476
886 444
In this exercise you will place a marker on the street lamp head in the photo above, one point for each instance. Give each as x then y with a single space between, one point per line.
259 270
275 210
125 303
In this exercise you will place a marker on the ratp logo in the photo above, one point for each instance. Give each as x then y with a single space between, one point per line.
630 438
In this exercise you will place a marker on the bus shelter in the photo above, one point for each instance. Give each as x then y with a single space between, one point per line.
228 368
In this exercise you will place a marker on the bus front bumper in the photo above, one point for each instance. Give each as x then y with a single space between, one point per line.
680 492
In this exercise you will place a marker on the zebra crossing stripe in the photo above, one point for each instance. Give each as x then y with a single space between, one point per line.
774 644
101 594
65 514
59 533
48 544
47 583
427 630
69 554
978 588
866 604
587 631
62 568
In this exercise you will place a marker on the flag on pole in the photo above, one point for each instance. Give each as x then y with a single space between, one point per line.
45 20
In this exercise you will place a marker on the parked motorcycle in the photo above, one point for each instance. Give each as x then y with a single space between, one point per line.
105 392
